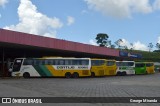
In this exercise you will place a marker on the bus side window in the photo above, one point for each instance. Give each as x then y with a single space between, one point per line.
75 62
92 62
110 63
85 62
49 62
61 62
36 62
68 62
41 62
130 63
28 62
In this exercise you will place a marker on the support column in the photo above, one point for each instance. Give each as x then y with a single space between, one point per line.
3 63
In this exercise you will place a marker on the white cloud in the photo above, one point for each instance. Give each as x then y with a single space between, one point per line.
156 5
33 22
125 43
136 45
93 42
140 46
120 8
0 15
84 11
159 39
3 2
70 20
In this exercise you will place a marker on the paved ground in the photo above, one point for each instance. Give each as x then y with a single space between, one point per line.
115 86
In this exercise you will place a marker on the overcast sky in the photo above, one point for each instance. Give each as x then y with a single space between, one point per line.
133 21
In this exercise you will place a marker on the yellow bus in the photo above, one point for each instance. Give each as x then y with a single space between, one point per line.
149 67
103 67
51 67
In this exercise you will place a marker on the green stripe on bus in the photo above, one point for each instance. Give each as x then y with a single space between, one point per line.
42 70
46 71
39 70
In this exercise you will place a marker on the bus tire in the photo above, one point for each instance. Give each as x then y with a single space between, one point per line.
124 73
26 75
92 74
75 75
68 75
118 73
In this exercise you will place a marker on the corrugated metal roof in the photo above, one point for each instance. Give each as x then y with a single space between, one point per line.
7 36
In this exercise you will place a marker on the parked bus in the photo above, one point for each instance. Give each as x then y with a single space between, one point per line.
140 68
103 67
51 67
125 67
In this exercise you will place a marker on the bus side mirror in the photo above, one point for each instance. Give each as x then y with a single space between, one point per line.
10 70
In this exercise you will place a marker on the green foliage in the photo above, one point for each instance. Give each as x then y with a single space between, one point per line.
148 56
102 40
150 46
158 46
118 43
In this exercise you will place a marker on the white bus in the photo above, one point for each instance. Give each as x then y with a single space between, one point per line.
125 67
51 67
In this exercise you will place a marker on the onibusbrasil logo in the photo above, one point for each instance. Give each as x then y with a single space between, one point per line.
21 100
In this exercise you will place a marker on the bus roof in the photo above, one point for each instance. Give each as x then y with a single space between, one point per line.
54 58
125 61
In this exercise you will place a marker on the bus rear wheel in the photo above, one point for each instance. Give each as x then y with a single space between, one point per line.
75 75
26 75
68 75
124 73
92 74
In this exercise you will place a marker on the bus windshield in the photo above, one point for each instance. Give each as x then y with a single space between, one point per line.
140 65
110 63
125 63
149 64
97 62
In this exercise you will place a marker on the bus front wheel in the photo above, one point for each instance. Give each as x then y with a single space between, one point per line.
118 73
75 75
26 75
68 75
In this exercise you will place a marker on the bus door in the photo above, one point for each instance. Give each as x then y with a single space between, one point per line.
16 67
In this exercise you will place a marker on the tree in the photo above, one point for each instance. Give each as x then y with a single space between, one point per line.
158 46
102 40
119 42
113 46
150 46
132 47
